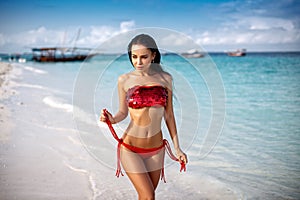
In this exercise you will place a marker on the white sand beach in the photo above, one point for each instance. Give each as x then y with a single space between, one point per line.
42 156
5 92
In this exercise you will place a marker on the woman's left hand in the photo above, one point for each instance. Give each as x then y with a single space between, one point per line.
181 156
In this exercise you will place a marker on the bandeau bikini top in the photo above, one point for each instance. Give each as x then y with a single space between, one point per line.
146 96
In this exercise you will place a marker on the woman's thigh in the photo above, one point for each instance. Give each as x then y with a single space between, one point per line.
142 183
155 161
132 162
154 164
143 170
134 166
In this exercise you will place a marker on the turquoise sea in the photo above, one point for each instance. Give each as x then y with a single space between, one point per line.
259 150
253 102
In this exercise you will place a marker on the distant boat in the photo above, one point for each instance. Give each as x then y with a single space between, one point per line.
59 54
237 53
193 53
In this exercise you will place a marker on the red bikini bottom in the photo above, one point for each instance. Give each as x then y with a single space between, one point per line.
142 151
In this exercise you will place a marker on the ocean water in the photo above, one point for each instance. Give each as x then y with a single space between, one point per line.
238 117
259 148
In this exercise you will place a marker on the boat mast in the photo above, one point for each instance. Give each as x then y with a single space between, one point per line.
77 37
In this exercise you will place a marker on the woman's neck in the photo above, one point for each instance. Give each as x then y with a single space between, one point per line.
144 73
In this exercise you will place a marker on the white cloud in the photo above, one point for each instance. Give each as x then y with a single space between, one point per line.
275 36
236 31
127 25
96 35
252 30
90 37
174 40
40 36
254 23
265 23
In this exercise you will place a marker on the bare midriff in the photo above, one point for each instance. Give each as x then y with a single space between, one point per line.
144 129
150 142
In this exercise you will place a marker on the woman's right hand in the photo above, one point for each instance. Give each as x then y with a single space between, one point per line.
105 114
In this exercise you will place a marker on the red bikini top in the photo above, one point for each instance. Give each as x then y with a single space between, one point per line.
146 96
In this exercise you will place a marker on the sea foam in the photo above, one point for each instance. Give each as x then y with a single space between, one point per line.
37 71
57 103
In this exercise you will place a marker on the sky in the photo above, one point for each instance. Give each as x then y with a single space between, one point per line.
216 25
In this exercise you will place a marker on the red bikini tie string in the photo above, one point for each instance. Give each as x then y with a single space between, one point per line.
112 130
173 157
120 141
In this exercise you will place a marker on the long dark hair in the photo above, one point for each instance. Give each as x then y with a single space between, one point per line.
150 44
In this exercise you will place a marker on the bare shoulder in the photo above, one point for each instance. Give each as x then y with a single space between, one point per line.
122 81
123 78
167 79
167 76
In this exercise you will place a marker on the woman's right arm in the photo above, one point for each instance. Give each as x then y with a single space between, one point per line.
123 108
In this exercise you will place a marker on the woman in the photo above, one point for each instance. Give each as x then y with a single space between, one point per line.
146 93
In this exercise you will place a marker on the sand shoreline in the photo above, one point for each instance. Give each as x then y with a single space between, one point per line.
4 69
31 164
5 93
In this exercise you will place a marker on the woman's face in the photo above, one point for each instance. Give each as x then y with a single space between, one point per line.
141 57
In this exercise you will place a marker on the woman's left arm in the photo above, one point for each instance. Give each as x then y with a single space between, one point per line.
171 124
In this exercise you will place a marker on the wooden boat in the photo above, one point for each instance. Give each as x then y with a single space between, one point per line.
237 53
59 54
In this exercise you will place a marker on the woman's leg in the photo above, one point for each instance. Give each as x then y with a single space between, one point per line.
134 166
143 185
155 176
143 170
154 164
